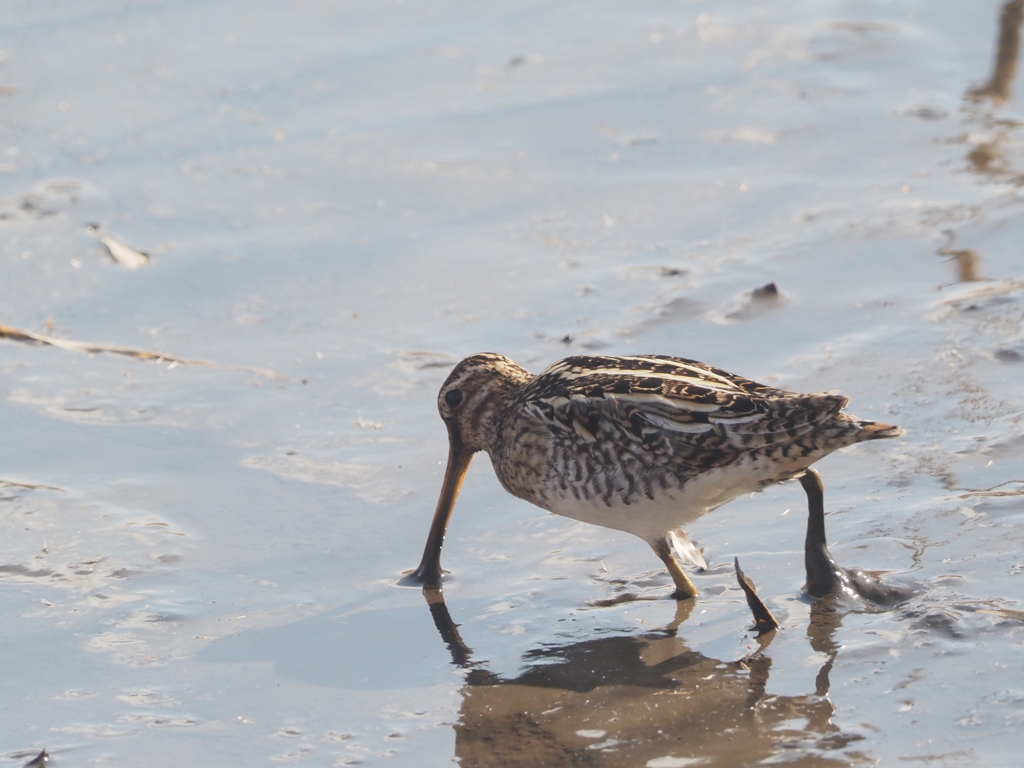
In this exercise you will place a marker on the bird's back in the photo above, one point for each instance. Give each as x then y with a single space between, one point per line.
613 431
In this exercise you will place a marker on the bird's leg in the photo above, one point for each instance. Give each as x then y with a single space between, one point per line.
824 576
684 587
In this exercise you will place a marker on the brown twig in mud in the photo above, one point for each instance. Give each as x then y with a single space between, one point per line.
992 491
12 484
967 260
991 610
6 332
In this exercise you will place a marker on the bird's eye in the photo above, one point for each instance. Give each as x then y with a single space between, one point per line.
453 398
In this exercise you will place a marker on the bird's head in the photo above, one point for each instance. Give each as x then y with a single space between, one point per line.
476 394
472 400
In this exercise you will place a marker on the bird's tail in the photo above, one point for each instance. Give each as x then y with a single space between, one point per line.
876 430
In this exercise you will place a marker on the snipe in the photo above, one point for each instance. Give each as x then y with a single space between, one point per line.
644 444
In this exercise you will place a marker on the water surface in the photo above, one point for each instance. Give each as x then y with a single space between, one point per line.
200 564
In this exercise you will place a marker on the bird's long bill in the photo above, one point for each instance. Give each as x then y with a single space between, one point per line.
429 570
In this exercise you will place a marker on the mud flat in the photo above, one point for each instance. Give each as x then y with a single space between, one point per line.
222 451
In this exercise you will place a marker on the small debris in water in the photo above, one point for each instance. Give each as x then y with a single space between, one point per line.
967 260
1009 356
765 292
127 257
764 622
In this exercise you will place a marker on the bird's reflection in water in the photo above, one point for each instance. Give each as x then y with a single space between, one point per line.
826 619
641 700
988 157
999 86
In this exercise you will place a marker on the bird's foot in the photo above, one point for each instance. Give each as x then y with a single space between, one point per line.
425 575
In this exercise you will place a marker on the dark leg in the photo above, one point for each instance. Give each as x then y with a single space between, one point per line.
824 576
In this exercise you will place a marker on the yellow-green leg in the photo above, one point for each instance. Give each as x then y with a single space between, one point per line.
684 587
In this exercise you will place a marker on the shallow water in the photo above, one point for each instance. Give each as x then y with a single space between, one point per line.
339 202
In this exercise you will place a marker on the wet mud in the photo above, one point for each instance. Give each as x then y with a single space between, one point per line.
241 248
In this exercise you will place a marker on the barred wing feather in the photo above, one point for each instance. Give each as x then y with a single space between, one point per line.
704 416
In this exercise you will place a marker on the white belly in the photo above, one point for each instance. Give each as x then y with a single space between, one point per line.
653 519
